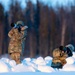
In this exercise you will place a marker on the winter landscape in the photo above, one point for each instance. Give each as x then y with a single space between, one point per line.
38 66
50 24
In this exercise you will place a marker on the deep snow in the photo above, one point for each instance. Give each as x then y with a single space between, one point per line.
38 66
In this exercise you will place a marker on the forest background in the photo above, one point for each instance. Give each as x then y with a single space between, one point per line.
48 27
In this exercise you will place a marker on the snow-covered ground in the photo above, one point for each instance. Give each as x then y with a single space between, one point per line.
38 66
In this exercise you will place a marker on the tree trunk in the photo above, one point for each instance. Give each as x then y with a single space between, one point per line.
63 32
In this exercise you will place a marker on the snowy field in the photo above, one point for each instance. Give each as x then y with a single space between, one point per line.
38 66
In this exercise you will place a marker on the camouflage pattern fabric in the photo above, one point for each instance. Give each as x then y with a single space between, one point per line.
16 56
15 44
59 57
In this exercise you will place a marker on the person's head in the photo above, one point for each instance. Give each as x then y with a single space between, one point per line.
21 23
17 24
56 52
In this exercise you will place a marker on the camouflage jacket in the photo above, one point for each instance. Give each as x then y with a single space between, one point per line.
59 56
16 39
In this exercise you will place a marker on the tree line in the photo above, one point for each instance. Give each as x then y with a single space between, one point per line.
47 28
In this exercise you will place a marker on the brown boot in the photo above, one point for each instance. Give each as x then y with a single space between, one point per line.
16 56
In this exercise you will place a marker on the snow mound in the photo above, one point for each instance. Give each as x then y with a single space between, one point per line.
23 68
70 60
4 67
68 67
40 61
45 69
39 64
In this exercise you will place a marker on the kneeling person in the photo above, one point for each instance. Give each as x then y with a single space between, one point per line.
60 54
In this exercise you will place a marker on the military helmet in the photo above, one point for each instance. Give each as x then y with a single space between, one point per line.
20 23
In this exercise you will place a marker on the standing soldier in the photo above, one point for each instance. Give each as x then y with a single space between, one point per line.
17 36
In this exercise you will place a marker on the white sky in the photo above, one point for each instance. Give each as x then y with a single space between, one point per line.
49 2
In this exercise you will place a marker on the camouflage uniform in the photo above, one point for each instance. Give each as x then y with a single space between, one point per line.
59 58
60 54
15 43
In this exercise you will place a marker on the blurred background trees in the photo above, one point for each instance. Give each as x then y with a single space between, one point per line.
47 28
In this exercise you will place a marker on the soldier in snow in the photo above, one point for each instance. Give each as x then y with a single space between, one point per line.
17 37
60 54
